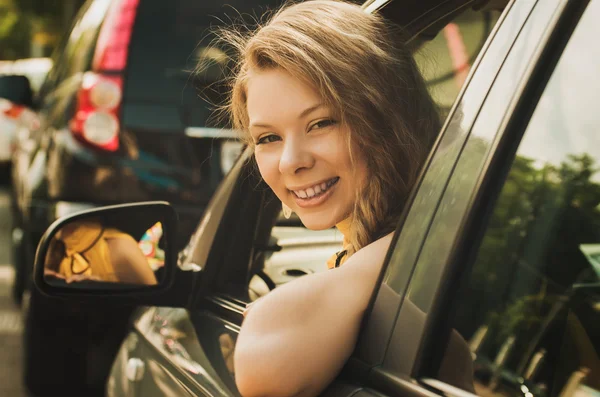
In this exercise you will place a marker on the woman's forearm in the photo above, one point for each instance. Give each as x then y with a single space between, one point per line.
130 264
310 323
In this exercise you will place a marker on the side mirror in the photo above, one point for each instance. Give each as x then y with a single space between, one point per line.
17 90
116 250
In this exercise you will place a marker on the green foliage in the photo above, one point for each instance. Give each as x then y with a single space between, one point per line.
530 256
22 20
15 32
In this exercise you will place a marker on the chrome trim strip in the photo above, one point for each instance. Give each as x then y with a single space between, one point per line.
448 390
205 132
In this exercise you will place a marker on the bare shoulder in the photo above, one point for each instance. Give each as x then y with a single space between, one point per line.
374 252
369 258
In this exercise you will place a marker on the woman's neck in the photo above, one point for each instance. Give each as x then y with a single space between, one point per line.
344 227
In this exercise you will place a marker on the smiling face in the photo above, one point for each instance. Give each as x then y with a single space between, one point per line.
301 149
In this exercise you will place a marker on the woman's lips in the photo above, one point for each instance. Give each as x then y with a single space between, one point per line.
316 200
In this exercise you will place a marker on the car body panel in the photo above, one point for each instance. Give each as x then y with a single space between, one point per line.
35 69
439 169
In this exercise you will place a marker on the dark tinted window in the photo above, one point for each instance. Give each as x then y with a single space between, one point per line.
168 39
530 308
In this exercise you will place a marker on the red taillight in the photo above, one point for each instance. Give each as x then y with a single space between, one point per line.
96 119
113 41
20 114
12 111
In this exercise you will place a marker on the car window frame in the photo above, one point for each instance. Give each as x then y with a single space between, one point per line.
412 230
487 183
498 166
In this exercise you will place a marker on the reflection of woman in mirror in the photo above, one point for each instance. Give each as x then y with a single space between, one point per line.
87 251
341 122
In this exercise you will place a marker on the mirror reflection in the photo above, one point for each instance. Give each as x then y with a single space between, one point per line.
98 250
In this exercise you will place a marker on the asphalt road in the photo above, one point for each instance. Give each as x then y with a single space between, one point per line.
10 315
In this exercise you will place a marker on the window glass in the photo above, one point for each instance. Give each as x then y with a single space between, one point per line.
530 307
446 60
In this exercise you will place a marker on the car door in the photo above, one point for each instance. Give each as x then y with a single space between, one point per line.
504 285
189 351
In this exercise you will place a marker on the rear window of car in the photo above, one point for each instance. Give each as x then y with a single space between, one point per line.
169 38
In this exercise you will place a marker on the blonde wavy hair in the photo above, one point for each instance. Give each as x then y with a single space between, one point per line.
366 74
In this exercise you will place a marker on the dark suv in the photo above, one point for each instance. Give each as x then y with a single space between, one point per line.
124 116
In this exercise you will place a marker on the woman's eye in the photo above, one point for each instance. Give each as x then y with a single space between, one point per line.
267 139
323 124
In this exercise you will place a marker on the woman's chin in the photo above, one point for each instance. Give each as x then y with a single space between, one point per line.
312 222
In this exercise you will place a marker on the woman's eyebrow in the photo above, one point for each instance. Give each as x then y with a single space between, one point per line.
309 110
262 125
303 114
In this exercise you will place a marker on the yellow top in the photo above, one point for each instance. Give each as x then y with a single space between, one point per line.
344 228
87 251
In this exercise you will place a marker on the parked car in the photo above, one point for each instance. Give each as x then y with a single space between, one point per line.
498 242
11 114
35 69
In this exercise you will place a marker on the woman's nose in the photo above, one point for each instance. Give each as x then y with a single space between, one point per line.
295 157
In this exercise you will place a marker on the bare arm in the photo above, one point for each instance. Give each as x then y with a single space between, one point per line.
130 264
296 339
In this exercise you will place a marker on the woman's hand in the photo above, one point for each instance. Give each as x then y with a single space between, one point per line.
82 277
71 279
52 273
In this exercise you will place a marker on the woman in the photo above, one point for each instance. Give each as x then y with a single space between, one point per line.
340 120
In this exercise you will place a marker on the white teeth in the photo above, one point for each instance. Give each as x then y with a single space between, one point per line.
315 190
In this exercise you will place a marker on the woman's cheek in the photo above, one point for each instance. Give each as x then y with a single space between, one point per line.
268 166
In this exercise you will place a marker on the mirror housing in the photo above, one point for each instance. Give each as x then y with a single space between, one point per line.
126 253
16 89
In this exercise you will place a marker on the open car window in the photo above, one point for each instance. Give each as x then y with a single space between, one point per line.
293 251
